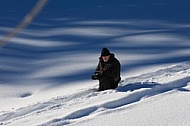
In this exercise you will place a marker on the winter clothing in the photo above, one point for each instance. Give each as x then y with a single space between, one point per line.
108 72
105 52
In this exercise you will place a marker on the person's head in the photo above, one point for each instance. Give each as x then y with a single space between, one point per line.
105 54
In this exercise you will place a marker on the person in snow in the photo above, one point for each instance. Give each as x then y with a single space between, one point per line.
107 71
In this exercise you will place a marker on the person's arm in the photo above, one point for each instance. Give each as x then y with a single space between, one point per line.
99 67
114 71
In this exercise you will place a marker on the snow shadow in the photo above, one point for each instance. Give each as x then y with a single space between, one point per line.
64 42
136 86
67 54
150 90
24 95
75 115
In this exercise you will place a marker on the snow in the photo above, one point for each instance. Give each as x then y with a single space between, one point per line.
45 70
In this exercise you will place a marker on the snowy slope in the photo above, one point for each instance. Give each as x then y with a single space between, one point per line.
45 70
137 101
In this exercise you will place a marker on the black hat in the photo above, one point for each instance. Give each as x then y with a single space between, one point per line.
105 52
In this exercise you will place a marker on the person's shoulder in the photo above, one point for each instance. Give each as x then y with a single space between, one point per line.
114 59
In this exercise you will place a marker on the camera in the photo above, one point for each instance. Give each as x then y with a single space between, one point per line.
95 77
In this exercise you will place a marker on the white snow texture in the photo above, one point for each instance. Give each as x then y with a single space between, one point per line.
46 69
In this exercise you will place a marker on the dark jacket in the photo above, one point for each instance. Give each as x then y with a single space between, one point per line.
111 68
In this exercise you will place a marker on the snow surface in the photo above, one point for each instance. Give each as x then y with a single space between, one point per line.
45 70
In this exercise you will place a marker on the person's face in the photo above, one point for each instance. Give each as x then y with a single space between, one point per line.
106 58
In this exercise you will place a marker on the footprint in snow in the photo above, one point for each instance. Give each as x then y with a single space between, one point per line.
24 95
